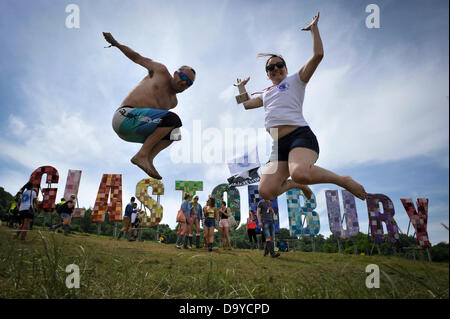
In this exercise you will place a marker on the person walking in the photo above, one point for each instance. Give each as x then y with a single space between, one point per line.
265 214
28 204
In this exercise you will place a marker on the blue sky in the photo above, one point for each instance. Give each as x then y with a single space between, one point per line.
378 102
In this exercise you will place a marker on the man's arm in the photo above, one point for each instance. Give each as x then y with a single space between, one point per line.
311 65
258 213
132 55
200 212
216 212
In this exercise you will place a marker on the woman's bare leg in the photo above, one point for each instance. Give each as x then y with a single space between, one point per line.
274 181
303 171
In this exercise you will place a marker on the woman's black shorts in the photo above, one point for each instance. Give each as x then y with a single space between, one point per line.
26 214
300 137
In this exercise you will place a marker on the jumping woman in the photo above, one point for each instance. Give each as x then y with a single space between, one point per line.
295 149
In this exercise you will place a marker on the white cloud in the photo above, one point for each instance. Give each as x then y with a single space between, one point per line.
16 125
228 94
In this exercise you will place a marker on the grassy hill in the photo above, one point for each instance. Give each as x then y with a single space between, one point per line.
120 269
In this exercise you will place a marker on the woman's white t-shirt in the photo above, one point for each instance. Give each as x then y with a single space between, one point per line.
27 200
283 103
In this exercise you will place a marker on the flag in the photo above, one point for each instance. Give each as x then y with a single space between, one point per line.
244 169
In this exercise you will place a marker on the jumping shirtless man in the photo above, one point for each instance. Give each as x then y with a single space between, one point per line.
144 117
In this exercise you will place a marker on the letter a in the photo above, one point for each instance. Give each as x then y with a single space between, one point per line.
73 19
73 280
373 19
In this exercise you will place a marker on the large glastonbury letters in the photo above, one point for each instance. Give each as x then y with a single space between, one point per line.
110 187
334 214
48 194
419 219
253 200
155 208
72 186
376 218
296 210
188 187
233 199
109 199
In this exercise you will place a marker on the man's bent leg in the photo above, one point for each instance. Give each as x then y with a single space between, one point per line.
142 158
158 148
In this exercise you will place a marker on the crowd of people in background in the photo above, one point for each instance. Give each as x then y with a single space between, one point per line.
24 209
211 217
191 216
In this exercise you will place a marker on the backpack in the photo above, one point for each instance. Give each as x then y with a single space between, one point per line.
180 217
232 222
59 208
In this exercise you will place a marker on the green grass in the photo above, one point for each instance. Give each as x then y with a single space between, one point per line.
120 269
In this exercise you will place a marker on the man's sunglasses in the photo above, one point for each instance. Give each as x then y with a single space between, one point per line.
185 78
279 65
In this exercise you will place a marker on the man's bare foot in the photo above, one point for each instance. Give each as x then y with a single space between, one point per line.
146 166
353 187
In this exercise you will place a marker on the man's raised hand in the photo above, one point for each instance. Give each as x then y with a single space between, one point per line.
110 39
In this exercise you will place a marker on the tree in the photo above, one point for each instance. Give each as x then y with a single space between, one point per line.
6 200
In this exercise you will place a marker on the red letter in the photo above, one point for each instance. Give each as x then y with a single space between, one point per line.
111 183
418 219
48 194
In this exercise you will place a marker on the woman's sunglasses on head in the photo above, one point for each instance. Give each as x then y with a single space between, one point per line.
185 78
279 65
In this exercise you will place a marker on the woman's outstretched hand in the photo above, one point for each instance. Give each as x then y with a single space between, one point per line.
242 83
313 23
